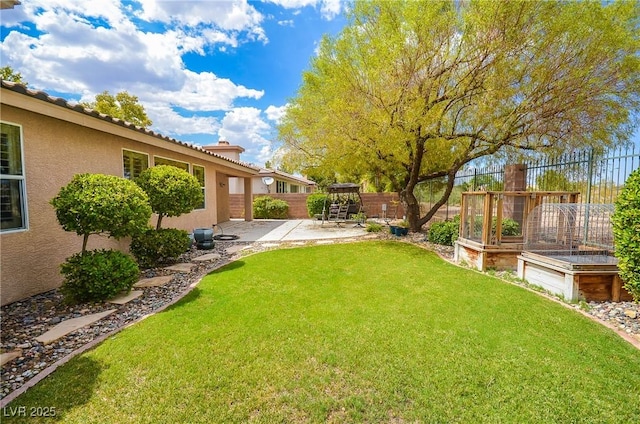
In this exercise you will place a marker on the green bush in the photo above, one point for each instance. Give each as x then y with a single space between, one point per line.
626 232
445 232
97 203
373 227
315 203
155 246
509 227
266 207
172 191
97 275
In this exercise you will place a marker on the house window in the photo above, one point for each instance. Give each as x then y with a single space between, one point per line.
281 187
198 172
164 161
294 188
134 163
13 210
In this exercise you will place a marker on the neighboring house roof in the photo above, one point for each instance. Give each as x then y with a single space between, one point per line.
9 4
41 95
265 172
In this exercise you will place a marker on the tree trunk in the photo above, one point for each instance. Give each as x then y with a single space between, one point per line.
85 238
411 207
451 178
159 221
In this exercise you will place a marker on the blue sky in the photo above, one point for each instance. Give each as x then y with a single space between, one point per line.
205 70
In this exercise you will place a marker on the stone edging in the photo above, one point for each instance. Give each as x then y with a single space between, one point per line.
51 368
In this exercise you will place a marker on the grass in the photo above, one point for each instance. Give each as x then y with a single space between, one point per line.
361 332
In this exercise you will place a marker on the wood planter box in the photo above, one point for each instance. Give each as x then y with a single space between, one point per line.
483 257
574 278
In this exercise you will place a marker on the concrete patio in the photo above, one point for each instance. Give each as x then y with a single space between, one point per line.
265 230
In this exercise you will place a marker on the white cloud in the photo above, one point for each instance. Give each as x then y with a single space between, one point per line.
84 48
167 122
288 22
231 15
202 92
73 55
244 126
275 113
328 8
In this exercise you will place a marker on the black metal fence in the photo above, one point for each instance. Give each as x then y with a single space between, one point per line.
597 177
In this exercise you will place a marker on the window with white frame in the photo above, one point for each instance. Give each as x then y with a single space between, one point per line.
133 163
13 210
157 160
281 187
198 172
293 188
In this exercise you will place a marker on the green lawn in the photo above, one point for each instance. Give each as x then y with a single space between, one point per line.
362 332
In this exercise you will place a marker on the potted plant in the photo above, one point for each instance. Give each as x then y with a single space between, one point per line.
360 218
402 228
393 226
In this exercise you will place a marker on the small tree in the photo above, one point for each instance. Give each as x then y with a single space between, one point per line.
122 106
8 74
626 231
97 203
172 191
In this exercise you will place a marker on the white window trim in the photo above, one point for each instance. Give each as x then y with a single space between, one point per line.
172 160
133 151
204 187
23 178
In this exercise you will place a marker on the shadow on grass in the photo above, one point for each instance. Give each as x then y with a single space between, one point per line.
196 292
228 267
53 398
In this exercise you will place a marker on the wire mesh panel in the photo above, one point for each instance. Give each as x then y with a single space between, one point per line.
473 216
575 232
497 217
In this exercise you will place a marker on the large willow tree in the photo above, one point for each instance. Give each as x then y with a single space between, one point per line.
412 91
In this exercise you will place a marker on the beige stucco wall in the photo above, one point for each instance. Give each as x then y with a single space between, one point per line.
56 150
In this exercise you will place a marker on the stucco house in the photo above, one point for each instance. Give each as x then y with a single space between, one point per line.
281 182
44 142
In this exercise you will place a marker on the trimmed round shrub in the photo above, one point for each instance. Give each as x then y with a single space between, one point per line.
156 246
97 203
626 232
315 203
172 191
445 232
266 207
97 275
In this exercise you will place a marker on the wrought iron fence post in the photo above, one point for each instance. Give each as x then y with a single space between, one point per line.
588 199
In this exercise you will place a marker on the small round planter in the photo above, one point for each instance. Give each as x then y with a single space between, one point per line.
402 231
393 229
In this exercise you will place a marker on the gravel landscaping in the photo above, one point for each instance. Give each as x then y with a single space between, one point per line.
23 321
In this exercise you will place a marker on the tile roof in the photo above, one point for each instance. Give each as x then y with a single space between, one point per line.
41 95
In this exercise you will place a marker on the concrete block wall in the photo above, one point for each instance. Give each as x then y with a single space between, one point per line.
372 203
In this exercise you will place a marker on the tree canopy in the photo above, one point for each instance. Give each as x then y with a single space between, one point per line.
411 91
122 106
97 203
8 74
